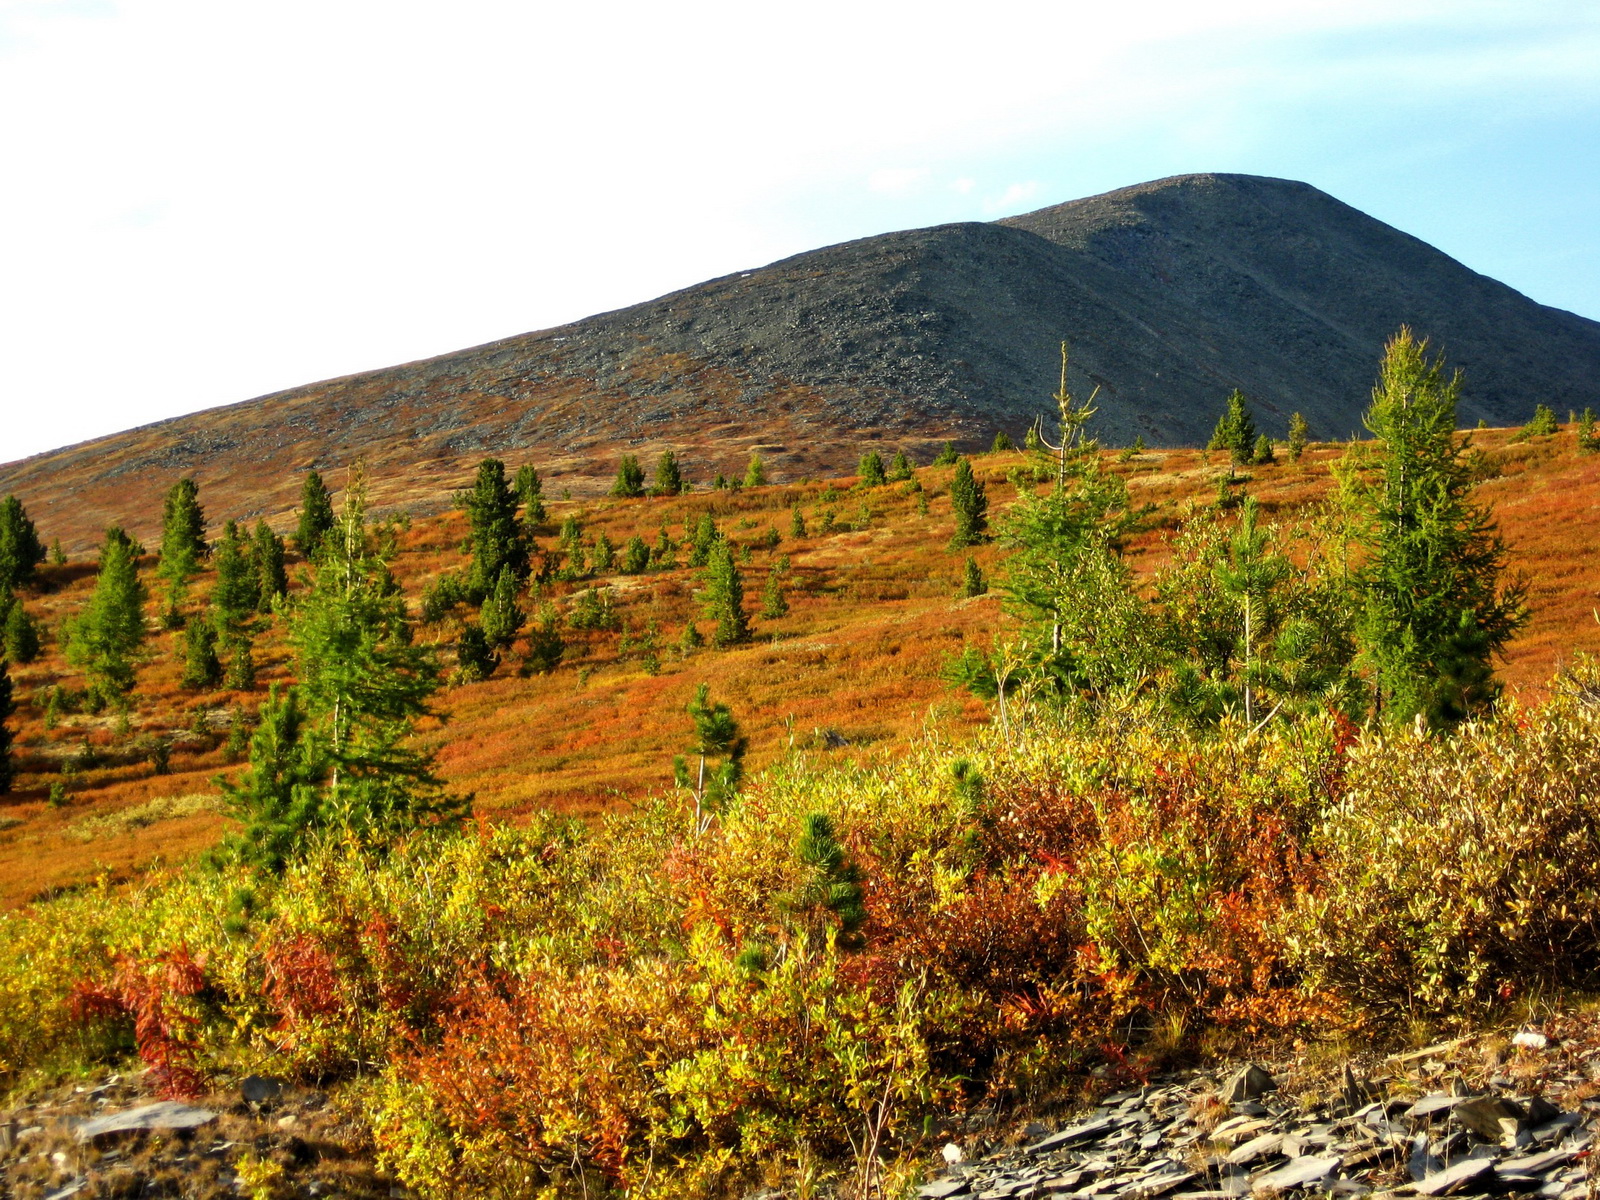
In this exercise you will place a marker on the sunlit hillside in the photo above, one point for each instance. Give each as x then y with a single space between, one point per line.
854 667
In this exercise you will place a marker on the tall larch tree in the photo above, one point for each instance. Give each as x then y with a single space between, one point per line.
1437 607
1236 430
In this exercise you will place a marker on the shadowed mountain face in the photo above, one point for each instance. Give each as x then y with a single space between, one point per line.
1170 293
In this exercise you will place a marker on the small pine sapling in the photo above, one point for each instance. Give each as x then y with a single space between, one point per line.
833 883
691 640
970 502
545 643
1544 422
20 635
755 475
947 456
870 469
716 736
1298 436
241 676
797 523
1588 436
604 557
899 468
315 518
773 603
1261 453
723 597
972 581
635 556
476 657
629 483
1002 443
201 667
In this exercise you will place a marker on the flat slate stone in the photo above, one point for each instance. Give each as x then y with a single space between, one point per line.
942 1189
1259 1147
1078 1134
166 1115
1436 1103
1453 1179
1300 1172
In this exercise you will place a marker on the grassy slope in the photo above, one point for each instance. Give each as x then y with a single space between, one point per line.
874 612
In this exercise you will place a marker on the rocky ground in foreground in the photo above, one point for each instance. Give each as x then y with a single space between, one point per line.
1478 1116
112 1139
1487 1115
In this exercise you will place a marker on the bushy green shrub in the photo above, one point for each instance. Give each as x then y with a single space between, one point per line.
1463 870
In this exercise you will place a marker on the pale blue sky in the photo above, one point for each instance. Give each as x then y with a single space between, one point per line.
205 201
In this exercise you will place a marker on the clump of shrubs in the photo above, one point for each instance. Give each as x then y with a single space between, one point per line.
559 1005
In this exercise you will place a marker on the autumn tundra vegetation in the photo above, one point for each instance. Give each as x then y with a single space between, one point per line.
1243 768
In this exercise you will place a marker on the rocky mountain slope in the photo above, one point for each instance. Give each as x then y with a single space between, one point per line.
1171 293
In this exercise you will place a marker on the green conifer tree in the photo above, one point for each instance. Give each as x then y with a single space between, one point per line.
691 640
629 482
476 658
183 545
272 579
363 683
635 556
797 523
315 518
773 602
972 581
500 617
669 478
1588 438
241 673
238 590
605 554
899 467
1298 434
870 469
19 634
1544 422
530 492
1436 607
1261 452
704 538
20 549
1236 430
545 643
497 540
970 501
58 556
1002 443
201 667
663 555
723 597
833 884
277 799
716 735
103 638
755 475
947 456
